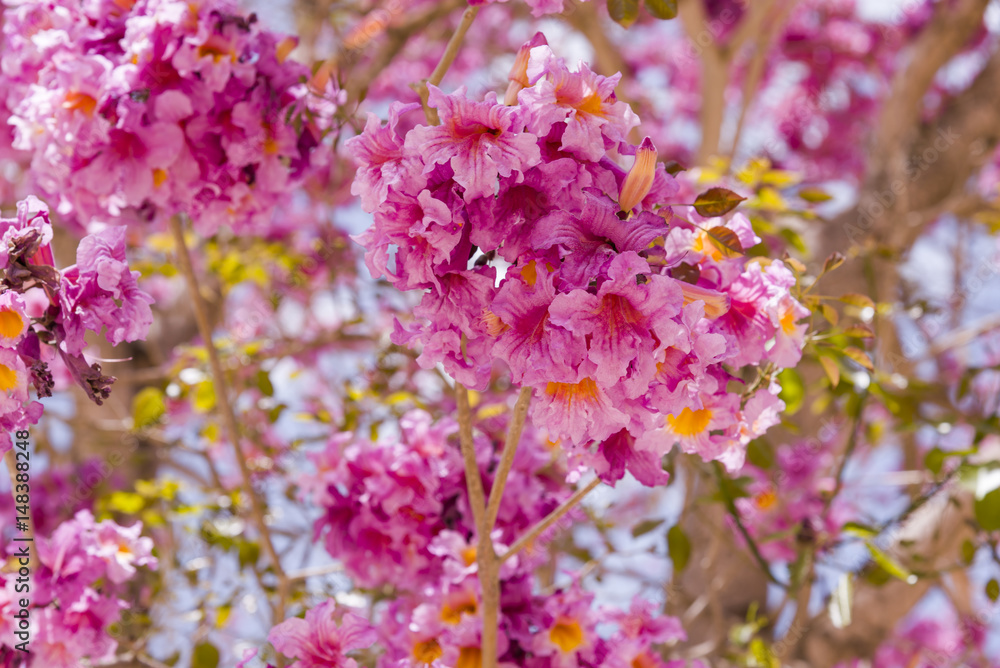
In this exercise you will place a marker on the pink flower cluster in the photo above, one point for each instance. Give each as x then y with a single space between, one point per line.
556 630
791 504
396 511
160 107
536 248
77 590
45 312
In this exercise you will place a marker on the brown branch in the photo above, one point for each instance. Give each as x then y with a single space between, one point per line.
549 520
396 39
486 560
228 415
447 58
507 457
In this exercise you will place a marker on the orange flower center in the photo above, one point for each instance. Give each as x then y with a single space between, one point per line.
8 378
427 651
469 657
567 635
585 390
77 101
11 323
689 422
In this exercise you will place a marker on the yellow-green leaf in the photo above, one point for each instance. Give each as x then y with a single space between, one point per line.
679 547
814 195
831 369
890 565
126 502
623 12
662 9
203 398
147 407
829 313
859 300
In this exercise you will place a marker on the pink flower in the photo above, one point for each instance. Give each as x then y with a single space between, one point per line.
385 164
480 141
318 641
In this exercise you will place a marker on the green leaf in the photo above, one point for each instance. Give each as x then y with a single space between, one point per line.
147 407
679 547
716 202
662 9
934 460
993 590
264 383
793 390
890 565
760 453
645 527
249 553
794 239
968 551
623 12
988 511
205 656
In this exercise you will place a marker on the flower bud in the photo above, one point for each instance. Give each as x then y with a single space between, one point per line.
716 303
640 178
285 47
518 76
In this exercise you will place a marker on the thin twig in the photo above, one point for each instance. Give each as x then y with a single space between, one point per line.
852 444
473 480
486 560
751 543
447 58
228 415
549 520
507 457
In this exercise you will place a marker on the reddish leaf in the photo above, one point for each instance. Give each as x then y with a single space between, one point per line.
859 356
831 369
725 241
716 202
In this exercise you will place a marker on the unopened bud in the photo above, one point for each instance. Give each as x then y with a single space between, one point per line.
716 303
640 178
285 47
518 76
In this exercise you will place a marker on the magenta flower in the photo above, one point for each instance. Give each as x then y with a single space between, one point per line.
480 141
386 164
318 641
100 291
